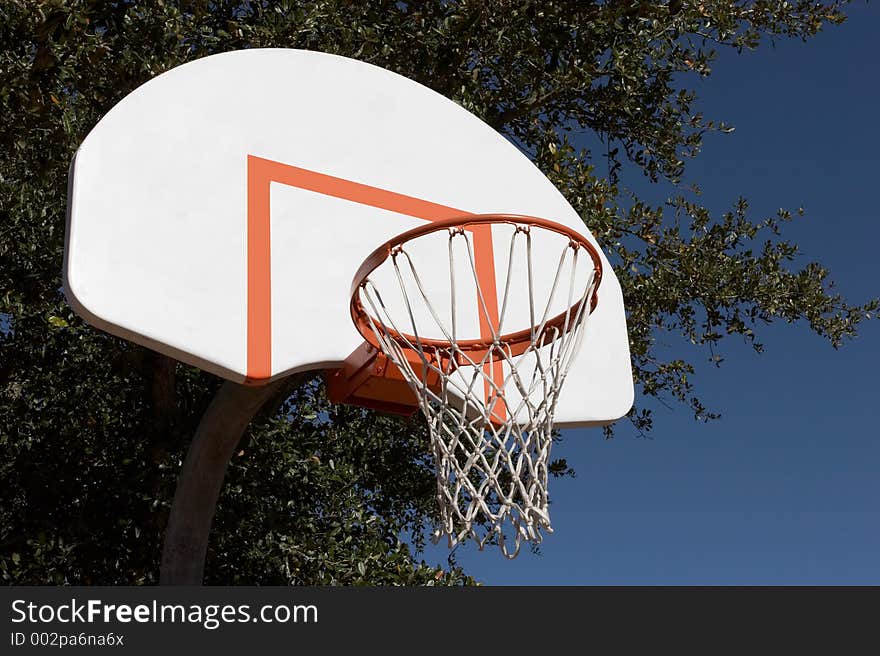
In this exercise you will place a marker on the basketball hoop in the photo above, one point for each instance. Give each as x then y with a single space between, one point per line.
489 395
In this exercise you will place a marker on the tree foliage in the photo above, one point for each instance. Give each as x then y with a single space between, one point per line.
93 429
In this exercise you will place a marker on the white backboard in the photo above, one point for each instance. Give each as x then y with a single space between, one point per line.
219 212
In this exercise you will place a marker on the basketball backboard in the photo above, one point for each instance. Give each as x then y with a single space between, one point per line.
219 212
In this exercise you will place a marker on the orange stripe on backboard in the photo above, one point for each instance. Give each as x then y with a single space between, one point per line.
484 260
261 173
259 272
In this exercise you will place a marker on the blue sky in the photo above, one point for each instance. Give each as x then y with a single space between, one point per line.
784 488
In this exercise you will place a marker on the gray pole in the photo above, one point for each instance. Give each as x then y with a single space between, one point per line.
201 478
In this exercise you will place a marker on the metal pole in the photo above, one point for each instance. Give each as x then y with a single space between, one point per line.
201 478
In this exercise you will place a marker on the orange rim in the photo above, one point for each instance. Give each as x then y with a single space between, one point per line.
515 342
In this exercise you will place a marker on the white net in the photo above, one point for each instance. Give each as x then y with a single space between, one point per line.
489 405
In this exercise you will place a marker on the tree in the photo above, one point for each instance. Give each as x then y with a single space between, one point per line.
93 429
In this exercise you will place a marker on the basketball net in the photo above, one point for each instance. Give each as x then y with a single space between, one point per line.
490 409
